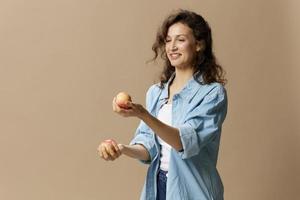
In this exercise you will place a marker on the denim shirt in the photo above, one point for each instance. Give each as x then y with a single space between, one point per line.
198 112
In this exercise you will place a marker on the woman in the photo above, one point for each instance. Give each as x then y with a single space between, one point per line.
179 133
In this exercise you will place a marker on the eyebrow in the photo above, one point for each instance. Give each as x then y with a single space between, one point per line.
178 35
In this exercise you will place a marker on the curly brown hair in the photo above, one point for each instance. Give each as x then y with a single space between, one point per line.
205 60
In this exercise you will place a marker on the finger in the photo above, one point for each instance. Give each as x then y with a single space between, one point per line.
110 151
118 109
110 141
99 147
100 153
104 152
117 149
128 112
129 104
114 104
121 111
114 146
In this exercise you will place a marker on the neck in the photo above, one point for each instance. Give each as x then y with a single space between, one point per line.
182 76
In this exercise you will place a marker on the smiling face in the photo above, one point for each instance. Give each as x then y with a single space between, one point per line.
181 46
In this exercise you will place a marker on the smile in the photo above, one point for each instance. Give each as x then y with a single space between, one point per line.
174 55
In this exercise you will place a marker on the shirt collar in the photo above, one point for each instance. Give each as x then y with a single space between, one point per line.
188 90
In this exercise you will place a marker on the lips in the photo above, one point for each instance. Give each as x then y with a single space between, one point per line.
174 56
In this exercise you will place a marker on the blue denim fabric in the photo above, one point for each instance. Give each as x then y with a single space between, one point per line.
198 112
161 185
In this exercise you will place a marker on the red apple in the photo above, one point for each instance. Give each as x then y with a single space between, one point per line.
122 99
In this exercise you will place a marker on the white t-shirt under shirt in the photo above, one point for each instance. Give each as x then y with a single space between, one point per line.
165 115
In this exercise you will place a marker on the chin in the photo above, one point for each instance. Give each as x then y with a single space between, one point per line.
176 64
179 66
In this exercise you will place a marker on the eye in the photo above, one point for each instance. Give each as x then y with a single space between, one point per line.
168 40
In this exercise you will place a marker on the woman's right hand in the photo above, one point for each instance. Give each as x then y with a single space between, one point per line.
132 110
109 150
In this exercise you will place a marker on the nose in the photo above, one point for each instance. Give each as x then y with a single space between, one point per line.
171 46
174 47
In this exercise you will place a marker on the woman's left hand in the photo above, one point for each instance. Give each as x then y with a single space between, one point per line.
133 110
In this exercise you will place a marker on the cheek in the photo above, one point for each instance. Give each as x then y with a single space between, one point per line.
183 46
189 52
187 48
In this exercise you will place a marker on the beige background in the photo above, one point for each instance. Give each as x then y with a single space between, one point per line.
62 61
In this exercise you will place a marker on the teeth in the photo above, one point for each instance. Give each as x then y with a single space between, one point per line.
175 55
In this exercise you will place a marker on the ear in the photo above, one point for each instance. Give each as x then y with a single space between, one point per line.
200 45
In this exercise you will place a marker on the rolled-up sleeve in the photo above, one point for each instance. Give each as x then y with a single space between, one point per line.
143 134
145 138
203 122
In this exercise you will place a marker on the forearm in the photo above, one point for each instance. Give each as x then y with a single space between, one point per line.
168 133
136 151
